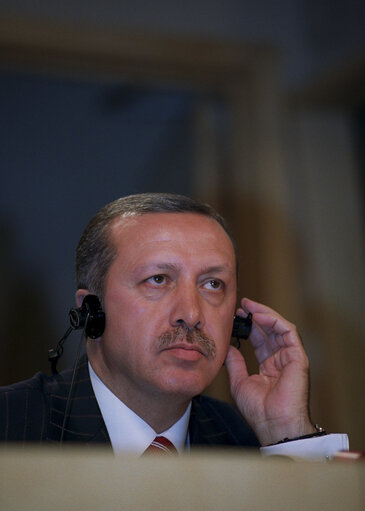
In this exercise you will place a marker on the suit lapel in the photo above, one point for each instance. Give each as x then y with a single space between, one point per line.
218 424
84 422
204 429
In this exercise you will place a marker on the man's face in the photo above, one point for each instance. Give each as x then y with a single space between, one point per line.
175 273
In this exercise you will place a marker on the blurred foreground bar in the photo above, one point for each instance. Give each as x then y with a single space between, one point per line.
43 479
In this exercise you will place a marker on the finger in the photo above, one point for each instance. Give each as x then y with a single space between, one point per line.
264 345
276 326
265 351
236 367
261 334
249 305
268 321
270 331
255 308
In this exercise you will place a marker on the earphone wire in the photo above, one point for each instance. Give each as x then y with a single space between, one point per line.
54 354
68 402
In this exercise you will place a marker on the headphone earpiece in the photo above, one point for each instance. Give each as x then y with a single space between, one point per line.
89 316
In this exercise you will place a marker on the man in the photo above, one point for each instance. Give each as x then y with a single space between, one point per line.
164 268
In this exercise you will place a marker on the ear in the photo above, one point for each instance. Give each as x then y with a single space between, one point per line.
80 295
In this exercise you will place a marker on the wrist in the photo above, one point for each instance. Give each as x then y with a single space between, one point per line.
319 431
275 433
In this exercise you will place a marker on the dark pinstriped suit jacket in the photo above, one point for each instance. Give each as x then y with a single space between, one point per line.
33 411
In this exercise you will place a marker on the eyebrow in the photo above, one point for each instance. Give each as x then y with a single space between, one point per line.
157 266
216 269
173 267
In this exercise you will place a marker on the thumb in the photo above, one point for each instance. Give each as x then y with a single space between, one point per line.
236 368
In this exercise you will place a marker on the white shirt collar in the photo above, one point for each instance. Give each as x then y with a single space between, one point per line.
127 431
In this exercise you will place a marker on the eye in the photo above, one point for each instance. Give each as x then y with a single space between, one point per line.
157 279
214 284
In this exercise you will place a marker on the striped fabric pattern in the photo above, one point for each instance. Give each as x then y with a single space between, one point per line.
162 447
33 411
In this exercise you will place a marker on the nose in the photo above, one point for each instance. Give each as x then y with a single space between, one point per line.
186 307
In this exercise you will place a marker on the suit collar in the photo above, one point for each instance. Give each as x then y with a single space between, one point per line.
84 422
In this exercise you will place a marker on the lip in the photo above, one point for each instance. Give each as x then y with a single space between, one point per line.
185 351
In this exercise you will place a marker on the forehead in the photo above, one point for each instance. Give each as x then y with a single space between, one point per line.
191 234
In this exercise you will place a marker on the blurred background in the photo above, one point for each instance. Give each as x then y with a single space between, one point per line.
257 107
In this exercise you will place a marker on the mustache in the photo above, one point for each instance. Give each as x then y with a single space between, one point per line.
191 336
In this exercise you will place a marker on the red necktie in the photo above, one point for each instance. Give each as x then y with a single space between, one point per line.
162 447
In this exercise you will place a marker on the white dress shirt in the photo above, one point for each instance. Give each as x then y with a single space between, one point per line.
129 433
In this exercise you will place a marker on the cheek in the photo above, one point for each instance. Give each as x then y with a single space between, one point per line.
129 320
221 333
221 323
122 307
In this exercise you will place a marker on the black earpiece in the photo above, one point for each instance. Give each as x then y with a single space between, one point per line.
242 327
89 316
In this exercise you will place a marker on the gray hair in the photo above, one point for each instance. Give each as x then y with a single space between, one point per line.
96 252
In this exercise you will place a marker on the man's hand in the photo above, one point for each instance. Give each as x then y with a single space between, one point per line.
275 401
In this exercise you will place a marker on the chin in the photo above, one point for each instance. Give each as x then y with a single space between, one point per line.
186 385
